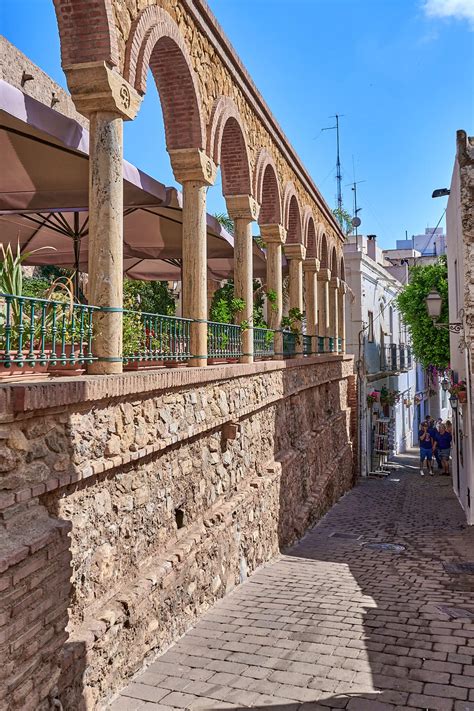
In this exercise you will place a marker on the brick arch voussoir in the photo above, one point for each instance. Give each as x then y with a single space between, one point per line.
267 189
323 249
87 31
172 69
293 223
228 147
334 267
310 234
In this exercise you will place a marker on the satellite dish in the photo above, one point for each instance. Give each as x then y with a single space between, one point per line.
356 222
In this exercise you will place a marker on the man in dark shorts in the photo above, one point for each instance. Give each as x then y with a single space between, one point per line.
443 447
433 432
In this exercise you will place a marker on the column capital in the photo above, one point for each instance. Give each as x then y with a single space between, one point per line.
95 87
342 287
335 283
311 264
193 165
242 207
273 234
324 275
295 251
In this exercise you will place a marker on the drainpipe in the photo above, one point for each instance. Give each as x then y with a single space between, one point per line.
362 407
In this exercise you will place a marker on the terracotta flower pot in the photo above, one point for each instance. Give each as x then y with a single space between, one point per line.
68 368
15 370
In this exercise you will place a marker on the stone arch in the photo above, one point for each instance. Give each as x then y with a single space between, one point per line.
292 215
334 266
342 270
323 252
87 31
227 146
267 190
156 42
311 241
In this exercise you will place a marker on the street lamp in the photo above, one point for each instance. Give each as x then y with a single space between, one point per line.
434 303
440 192
454 401
445 384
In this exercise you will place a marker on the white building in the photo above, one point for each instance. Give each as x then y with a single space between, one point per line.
379 341
460 233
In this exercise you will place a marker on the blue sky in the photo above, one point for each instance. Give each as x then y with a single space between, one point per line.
401 72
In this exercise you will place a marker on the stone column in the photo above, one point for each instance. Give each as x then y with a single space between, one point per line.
310 270
295 254
105 286
106 99
324 277
244 210
195 171
274 237
334 311
342 314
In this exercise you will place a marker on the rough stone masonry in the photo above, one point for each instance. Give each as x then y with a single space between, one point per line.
129 504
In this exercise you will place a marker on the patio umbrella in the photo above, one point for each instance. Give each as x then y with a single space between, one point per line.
44 199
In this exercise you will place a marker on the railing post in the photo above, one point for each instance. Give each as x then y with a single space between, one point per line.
274 237
244 210
295 254
195 171
310 270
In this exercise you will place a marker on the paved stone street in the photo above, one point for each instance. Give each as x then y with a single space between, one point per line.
335 623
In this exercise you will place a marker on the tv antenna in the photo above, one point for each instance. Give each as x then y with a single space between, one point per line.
356 221
338 164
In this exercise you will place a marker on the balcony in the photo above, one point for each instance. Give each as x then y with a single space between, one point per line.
396 358
51 337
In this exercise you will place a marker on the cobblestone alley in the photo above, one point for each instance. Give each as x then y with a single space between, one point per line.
336 623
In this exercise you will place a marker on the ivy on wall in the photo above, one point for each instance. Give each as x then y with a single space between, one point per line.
430 344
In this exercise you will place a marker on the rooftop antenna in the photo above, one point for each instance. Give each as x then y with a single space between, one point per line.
338 164
356 221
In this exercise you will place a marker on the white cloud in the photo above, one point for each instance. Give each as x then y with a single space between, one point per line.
458 9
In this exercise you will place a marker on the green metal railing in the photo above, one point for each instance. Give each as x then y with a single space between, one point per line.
307 344
331 344
321 344
339 345
263 342
223 340
154 337
289 344
44 332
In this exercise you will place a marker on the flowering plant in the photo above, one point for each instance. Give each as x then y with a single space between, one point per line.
459 387
389 397
372 398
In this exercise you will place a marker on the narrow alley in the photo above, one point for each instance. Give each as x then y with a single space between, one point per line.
339 622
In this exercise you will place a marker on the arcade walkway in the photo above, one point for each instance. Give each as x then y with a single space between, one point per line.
336 623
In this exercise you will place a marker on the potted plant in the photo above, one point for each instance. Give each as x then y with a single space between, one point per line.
459 390
23 350
372 398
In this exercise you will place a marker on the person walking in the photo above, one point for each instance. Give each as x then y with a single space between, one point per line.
443 447
433 432
426 449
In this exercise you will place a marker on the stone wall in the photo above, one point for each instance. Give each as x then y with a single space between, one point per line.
174 486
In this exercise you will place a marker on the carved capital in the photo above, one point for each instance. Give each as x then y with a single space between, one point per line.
242 207
192 164
335 283
273 234
96 87
311 264
342 287
324 275
295 251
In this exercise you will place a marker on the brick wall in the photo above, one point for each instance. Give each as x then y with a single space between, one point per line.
174 487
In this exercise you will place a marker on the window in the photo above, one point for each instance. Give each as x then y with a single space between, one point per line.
370 333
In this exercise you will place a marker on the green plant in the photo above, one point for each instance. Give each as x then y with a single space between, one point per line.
344 218
226 221
272 299
153 297
430 344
